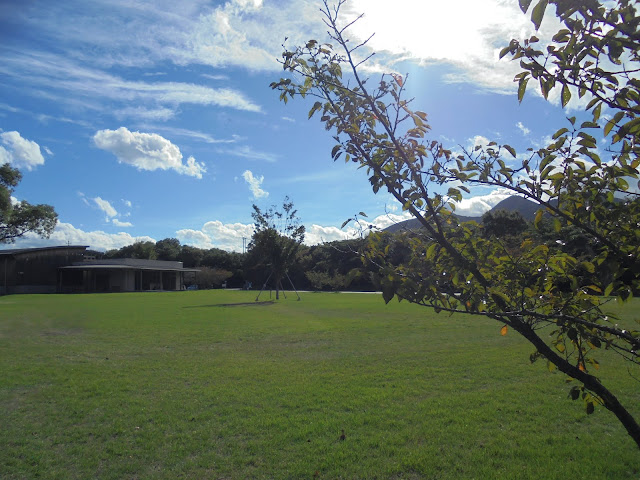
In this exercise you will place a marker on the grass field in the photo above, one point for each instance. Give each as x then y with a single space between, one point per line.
210 385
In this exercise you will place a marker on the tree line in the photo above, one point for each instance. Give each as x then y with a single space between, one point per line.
330 266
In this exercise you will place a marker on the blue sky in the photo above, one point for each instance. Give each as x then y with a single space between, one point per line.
142 120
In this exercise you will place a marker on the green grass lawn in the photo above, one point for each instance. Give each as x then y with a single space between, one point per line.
211 385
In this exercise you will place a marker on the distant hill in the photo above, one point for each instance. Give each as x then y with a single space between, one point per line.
525 207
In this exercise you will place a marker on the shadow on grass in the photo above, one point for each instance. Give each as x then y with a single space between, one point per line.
242 304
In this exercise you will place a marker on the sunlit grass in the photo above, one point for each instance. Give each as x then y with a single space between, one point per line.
210 385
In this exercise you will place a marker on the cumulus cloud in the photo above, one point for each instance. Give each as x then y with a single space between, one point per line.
216 234
146 151
316 234
66 233
476 206
20 152
255 184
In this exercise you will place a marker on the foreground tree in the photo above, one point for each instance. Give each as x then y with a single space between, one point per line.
450 267
22 217
276 240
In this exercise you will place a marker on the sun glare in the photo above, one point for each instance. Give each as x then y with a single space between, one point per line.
430 30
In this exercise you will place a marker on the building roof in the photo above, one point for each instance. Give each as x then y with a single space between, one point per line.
18 251
112 266
130 264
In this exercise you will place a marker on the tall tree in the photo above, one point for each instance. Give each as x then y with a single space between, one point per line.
22 217
168 249
142 250
276 240
542 286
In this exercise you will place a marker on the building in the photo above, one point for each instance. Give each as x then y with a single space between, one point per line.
68 269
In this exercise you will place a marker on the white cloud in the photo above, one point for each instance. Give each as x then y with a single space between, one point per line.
316 234
248 34
84 199
216 234
196 238
20 152
118 223
476 206
127 203
255 184
146 151
214 77
467 35
523 129
194 134
63 80
478 141
106 207
161 113
65 233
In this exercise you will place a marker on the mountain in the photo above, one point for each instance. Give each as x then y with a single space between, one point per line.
525 207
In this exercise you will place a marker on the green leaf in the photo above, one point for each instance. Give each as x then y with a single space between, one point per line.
504 51
562 131
596 112
344 224
588 266
566 95
362 214
388 291
611 123
574 393
522 87
538 13
524 5
536 221
608 290
590 408
335 151
315 108
510 149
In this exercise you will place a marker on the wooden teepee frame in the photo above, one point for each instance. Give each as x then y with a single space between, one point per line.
264 286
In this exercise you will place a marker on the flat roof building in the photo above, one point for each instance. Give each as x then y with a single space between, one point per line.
66 269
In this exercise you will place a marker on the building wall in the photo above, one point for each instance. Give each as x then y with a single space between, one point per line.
35 271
